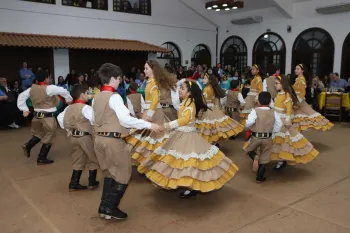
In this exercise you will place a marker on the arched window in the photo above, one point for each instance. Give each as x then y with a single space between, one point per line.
270 52
173 56
201 55
234 52
315 48
142 7
345 61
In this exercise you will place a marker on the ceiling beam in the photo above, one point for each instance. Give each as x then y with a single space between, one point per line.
285 6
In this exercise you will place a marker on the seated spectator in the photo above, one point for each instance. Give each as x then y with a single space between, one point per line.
312 93
337 82
11 115
319 83
61 82
246 89
81 81
15 88
141 82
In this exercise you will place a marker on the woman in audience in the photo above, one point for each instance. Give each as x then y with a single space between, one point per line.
61 82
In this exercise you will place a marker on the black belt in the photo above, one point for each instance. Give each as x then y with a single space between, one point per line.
167 105
77 133
262 135
231 109
41 115
109 134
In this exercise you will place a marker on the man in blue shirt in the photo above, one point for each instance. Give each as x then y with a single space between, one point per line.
141 82
337 82
27 77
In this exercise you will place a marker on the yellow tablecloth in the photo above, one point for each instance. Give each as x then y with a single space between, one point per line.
321 98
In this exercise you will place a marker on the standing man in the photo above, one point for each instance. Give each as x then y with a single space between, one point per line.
45 101
26 76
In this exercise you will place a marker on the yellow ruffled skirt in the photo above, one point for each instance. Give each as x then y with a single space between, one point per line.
306 118
214 124
291 146
144 142
187 160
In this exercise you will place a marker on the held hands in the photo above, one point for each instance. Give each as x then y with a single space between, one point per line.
286 122
26 113
157 128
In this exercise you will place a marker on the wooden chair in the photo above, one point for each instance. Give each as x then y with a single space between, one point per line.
333 105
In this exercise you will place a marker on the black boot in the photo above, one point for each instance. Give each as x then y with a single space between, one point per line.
252 154
109 206
283 165
29 145
74 182
93 183
104 202
42 160
260 175
188 193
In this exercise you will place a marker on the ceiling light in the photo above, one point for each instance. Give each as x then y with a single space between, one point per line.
266 36
227 9
215 6
220 5
217 9
224 5
209 8
234 7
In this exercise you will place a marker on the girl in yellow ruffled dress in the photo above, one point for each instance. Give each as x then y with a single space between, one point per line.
256 86
304 116
214 124
144 142
186 159
289 146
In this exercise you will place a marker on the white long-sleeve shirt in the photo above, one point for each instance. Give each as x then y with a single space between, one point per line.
252 118
51 90
87 112
131 106
264 85
122 112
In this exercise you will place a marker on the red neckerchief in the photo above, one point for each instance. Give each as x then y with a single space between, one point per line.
107 88
79 101
190 78
42 83
234 89
133 92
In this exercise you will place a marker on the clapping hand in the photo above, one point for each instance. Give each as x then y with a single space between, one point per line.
157 128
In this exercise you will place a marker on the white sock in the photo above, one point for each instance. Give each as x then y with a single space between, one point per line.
187 192
279 164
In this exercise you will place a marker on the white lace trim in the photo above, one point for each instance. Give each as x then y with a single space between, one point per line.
148 105
212 121
174 124
150 112
187 129
207 155
296 138
316 114
247 110
151 140
211 105
280 109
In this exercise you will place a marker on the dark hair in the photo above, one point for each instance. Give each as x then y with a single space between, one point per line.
189 73
234 84
247 82
196 96
260 71
107 71
77 90
41 76
213 81
163 78
336 74
264 98
142 72
287 87
133 86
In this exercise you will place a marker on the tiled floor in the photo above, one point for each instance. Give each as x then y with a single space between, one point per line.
313 198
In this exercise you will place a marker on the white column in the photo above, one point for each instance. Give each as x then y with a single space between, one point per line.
61 63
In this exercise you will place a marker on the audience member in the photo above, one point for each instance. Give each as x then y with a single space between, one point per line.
27 76
337 82
61 82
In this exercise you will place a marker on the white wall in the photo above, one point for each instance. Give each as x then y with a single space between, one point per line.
170 21
61 63
305 17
